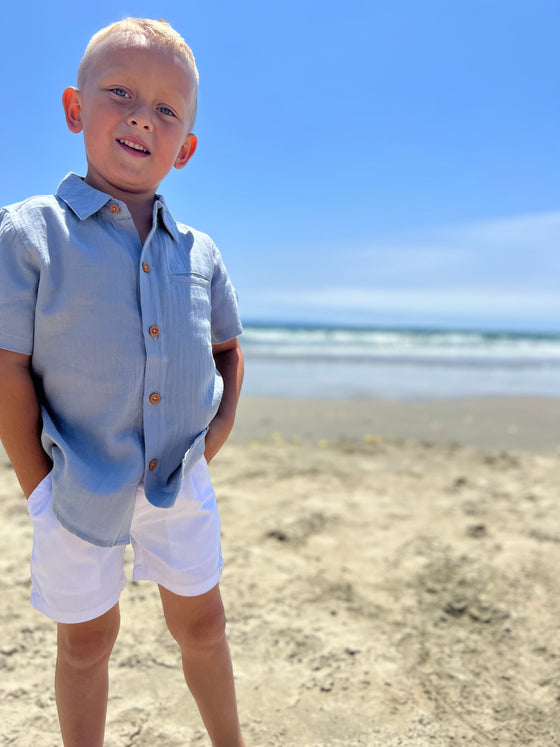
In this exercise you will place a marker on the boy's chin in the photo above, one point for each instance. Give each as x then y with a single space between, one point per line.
118 186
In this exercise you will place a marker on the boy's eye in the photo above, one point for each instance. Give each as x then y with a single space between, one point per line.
167 111
119 92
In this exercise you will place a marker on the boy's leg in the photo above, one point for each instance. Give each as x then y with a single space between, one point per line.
198 626
82 680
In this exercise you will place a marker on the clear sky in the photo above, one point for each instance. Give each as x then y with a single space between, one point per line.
370 163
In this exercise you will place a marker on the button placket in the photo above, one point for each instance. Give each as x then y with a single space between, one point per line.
152 374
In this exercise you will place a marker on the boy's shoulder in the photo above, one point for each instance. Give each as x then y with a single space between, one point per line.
28 216
72 193
193 239
194 235
32 204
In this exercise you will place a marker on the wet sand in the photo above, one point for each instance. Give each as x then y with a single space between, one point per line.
527 423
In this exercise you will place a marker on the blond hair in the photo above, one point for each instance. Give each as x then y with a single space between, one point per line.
157 34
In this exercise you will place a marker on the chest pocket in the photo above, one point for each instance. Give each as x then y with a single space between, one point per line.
190 293
190 278
184 268
190 270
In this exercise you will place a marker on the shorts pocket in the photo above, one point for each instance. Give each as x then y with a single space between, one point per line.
194 452
40 497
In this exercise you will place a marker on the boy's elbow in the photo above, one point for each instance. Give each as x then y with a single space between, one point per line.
11 362
223 347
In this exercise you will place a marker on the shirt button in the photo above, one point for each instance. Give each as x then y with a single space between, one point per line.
154 398
152 465
114 208
145 267
154 331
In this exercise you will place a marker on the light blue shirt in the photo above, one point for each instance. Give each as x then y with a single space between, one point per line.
121 338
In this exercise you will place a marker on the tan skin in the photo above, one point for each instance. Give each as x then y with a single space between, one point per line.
138 111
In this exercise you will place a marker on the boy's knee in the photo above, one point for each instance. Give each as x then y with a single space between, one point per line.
209 629
84 645
204 632
201 630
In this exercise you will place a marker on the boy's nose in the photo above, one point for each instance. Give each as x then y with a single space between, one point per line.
139 119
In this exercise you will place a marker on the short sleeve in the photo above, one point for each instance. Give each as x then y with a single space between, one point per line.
19 280
225 315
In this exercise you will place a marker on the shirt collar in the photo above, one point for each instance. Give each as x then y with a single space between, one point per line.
85 201
166 217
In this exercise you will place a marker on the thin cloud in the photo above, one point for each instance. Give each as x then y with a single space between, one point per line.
537 230
504 270
505 253
396 260
475 301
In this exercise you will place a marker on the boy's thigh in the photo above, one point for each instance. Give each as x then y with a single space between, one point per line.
73 581
180 547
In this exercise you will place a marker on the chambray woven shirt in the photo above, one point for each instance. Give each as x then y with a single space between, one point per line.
121 337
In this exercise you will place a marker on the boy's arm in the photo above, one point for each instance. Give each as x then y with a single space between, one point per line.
20 421
229 362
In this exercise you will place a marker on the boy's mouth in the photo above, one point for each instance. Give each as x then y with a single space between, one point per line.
134 146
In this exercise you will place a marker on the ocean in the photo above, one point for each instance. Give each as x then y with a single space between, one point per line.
409 364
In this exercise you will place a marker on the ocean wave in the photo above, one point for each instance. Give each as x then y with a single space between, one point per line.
404 346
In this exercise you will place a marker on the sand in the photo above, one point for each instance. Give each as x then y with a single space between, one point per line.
391 579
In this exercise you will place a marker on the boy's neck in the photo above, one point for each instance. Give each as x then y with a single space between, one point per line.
140 205
142 217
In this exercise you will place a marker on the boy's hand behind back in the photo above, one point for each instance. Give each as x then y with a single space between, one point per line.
20 421
216 437
229 362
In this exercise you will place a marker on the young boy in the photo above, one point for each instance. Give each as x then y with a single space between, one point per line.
121 372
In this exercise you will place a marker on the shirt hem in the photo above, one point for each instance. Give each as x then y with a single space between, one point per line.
218 339
16 345
88 537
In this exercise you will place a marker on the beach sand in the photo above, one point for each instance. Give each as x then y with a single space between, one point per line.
390 579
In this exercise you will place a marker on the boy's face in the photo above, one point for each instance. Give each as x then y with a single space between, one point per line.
134 109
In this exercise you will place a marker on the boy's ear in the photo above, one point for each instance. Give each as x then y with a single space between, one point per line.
187 150
72 109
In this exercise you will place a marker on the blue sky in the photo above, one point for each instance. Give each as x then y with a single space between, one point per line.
370 163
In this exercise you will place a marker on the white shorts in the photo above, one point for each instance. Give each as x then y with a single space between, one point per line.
74 581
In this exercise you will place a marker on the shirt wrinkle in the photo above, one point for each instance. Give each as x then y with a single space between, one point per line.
121 345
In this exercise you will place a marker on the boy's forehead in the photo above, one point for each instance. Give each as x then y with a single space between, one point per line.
121 40
122 49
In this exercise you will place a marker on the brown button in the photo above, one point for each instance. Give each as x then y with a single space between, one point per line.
154 398
154 331
114 208
152 465
145 267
